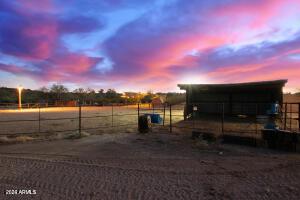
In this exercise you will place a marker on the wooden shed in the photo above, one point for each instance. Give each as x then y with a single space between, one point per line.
235 98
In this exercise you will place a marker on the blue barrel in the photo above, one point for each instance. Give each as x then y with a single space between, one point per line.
155 118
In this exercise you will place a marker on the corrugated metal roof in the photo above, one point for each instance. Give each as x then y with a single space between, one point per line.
281 83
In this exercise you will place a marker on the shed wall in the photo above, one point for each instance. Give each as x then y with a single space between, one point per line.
237 103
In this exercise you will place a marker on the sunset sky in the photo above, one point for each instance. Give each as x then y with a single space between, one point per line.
140 45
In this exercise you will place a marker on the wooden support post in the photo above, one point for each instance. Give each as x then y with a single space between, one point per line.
285 115
171 118
79 120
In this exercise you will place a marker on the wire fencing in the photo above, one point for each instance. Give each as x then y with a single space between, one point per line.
51 119
242 119
245 119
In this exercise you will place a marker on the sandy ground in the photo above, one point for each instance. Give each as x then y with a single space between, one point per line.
60 120
151 166
94 119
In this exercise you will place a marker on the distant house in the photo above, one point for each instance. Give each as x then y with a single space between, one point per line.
131 94
158 101
237 98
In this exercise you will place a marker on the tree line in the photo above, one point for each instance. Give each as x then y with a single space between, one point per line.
58 92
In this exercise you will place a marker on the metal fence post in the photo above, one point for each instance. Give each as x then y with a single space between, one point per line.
223 115
256 113
256 126
39 118
170 118
138 113
112 115
193 118
291 115
79 121
164 114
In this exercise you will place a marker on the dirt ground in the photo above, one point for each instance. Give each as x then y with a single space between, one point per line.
95 119
151 166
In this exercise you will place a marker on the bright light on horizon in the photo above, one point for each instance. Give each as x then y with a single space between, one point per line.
20 88
194 79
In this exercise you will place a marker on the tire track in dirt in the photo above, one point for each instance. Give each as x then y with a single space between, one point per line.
91 179
65 163
55 166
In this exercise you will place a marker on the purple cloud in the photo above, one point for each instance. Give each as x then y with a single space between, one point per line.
77 41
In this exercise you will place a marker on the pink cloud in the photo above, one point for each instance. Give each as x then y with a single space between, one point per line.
156 49
74 63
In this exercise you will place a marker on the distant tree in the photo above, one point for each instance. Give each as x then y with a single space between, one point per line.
79 90
8 95
80 94
99 96
111 96
148 97
111 93
59 91
90 90
101 91
44 94
91 95
44 89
